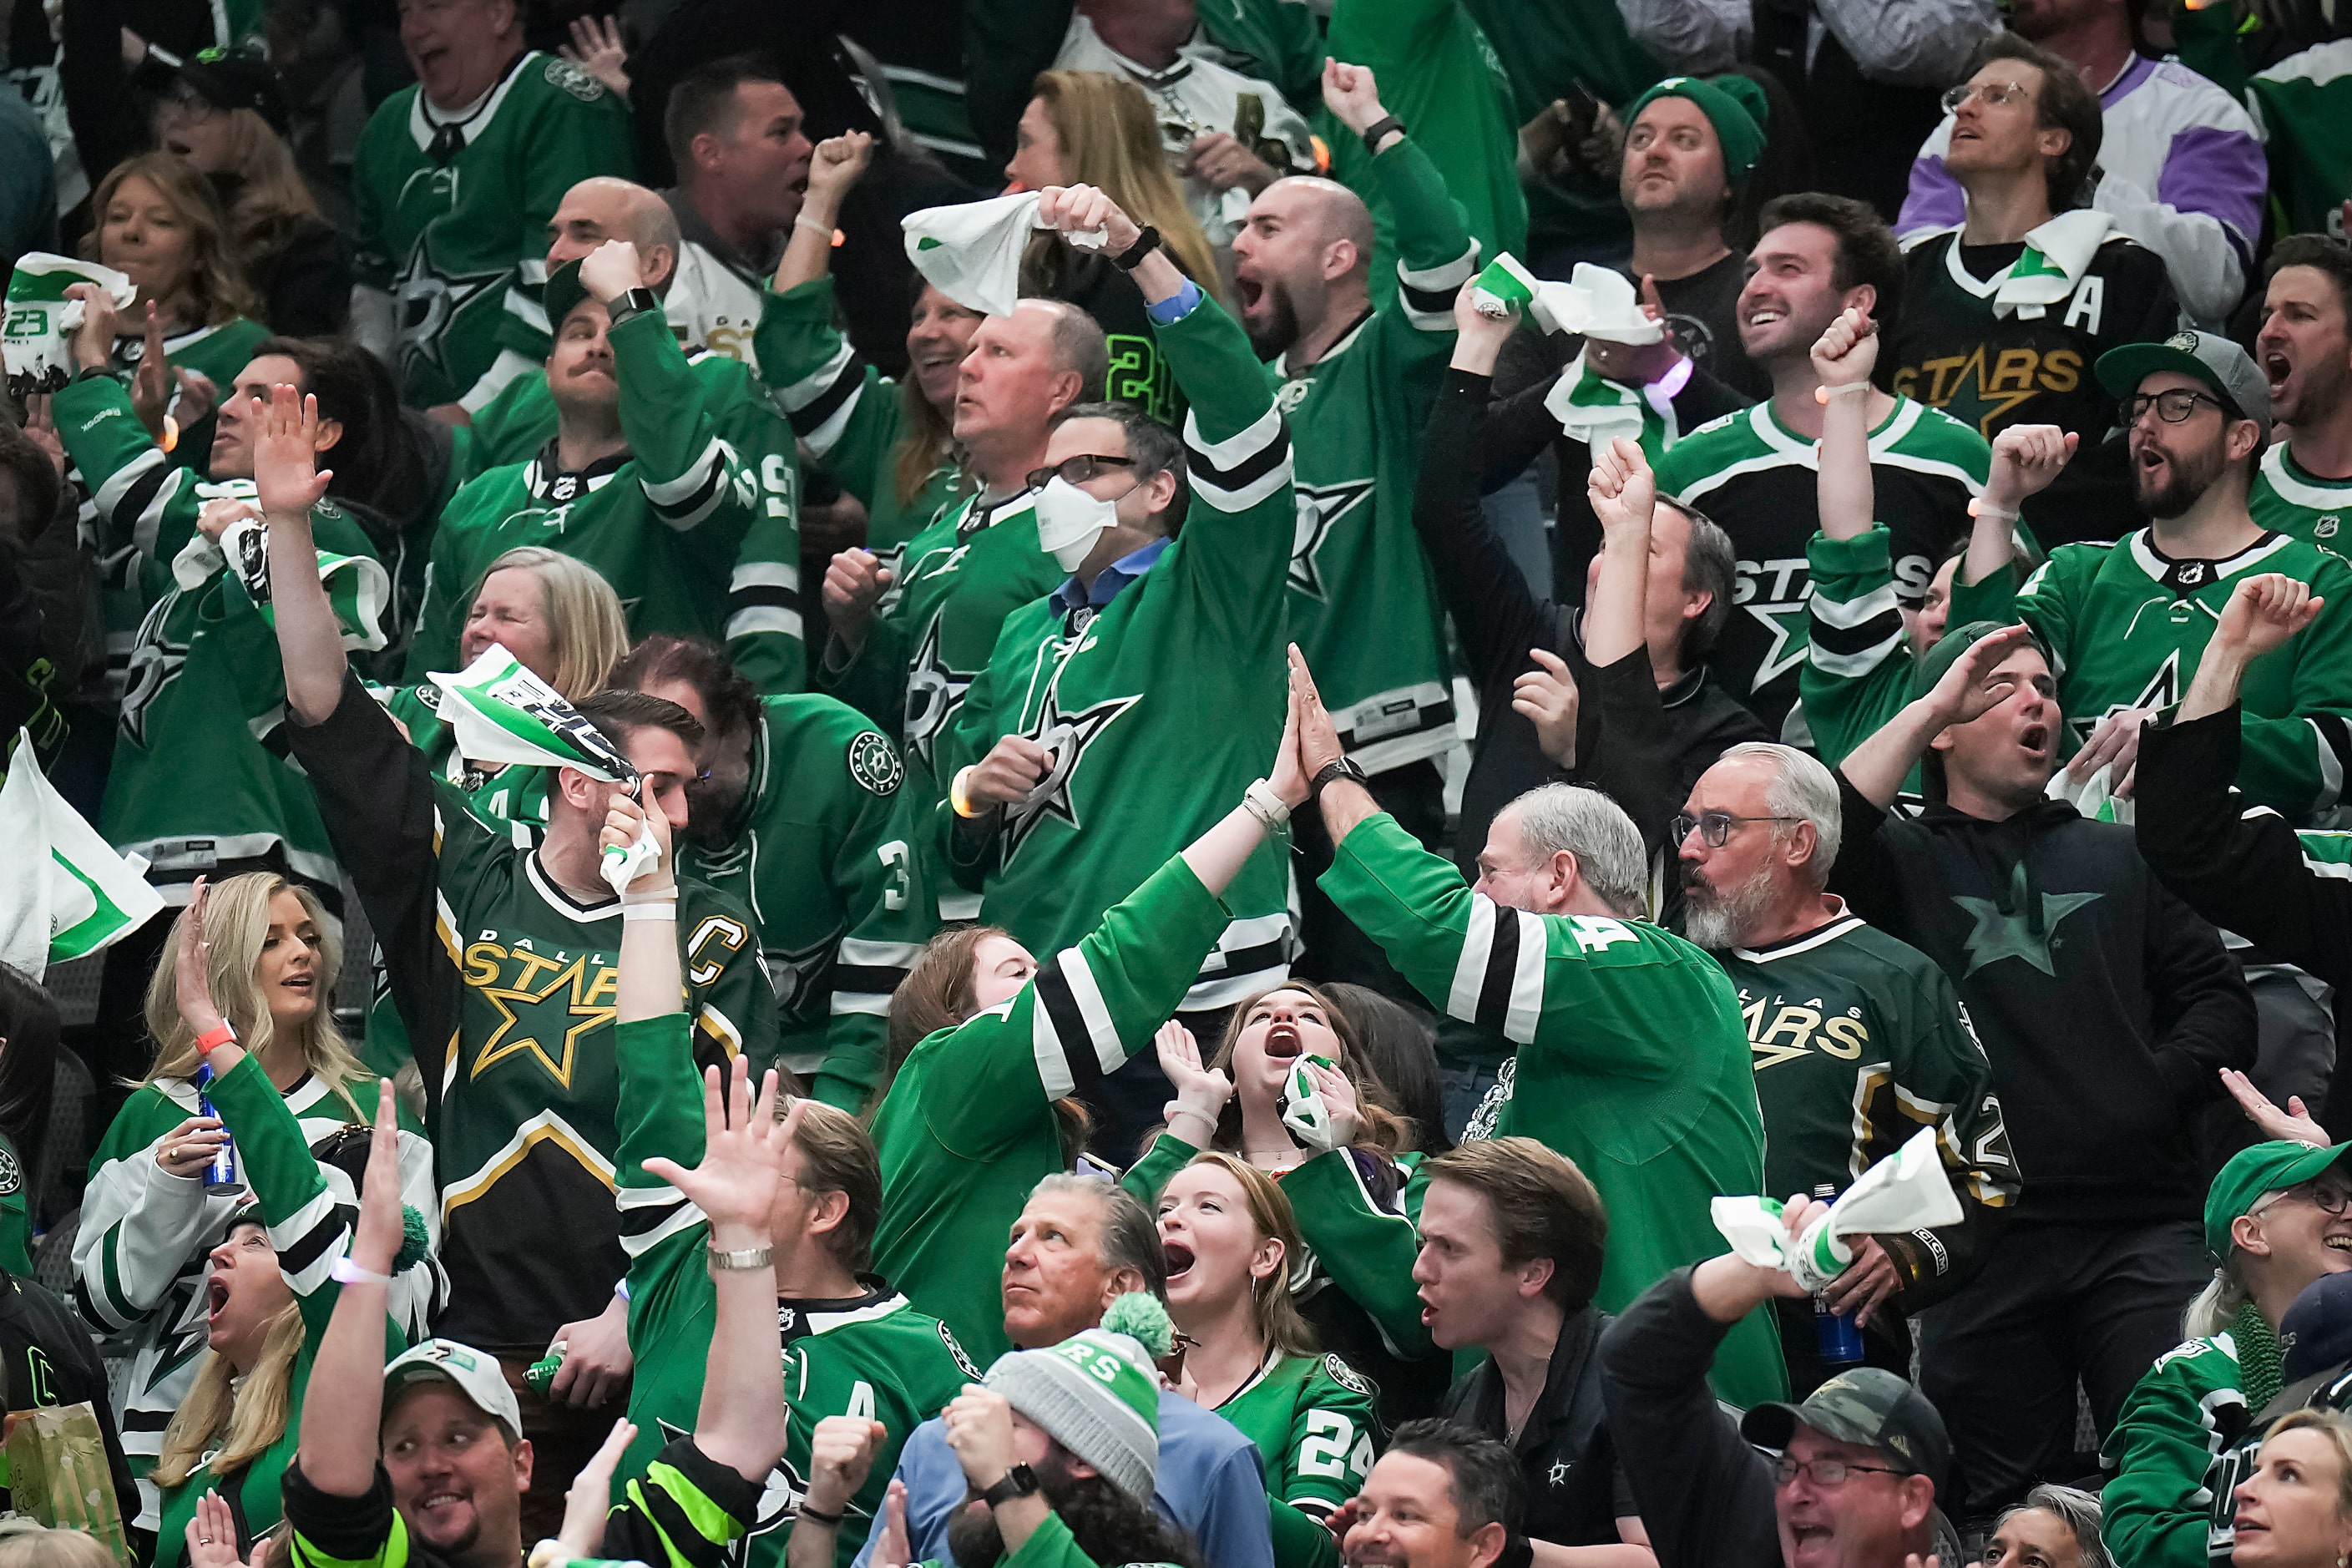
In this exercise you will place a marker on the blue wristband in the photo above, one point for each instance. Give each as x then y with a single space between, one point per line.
1176 307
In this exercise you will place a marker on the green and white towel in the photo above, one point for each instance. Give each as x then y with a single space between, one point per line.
358 588
64 891
1597 411
36 341
972 251
2056 255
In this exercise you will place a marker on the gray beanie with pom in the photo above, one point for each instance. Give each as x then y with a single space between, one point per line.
1096 1393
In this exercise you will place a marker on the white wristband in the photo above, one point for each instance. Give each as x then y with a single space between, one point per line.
1979 507
667 909
1260 801
1181 1106
343 1271
1851 388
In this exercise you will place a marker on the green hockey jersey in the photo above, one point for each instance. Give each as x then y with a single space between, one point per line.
1857 671
967 1126
851 416
506 984
810 854
445 235
1630 1039
1860 1041
1185 661
764 601
662 520
1362 607
2289 499
141 1258
2301 106
871 1355
2126 626
2178 1437
1312 1420
308 1218
1759 480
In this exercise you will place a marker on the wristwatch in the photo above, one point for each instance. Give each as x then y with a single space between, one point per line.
1020 1481
1131 258
635 303
1342 768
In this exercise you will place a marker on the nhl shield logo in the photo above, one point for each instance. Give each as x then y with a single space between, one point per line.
2325 527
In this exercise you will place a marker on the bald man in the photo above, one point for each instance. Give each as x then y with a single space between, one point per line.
763 610
1357 384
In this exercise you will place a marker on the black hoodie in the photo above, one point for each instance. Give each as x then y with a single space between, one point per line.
2106 1006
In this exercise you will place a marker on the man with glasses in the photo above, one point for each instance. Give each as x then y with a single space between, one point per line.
1845 1479
1858 1041
2108 1010
2004 312
2125 624
1164 642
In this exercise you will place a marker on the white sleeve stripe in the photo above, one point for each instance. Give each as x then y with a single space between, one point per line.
109 494
1526 982
699 473
1847 612
637 1245
764 620
1239 447
1852 666
1101 1032
825 436
1046 1043
1268 484
1470 971
818 382
767 575
1448 275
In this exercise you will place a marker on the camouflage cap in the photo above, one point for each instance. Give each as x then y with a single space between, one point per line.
1867 1405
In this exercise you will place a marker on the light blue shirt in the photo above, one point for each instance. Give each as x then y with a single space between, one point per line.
1210 1484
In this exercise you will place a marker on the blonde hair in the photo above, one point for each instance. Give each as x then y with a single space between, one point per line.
587 629
2223 1298
270 197
246 1414
236 921
1110 139
215 275
1275 1314
26 1544
2334 1426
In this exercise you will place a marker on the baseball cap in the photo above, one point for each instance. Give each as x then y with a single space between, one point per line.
2316 1335
240 77
2208 356
1868 1406
562 291
475 1373
2253 1173
1955 641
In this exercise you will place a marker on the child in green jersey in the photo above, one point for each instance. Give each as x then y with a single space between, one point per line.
270 1289
1232 1250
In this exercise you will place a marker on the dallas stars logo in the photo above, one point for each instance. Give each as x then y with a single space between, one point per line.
430 299
2162 690
1066 736
1791 635
156 661
934 693
1321 508
2004 933
1978 398
794 971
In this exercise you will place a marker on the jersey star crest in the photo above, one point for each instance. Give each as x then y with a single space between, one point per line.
1067 736
1321 508
1973 405
934 693
2162 690
1791 632
429 299
795 971
2005 933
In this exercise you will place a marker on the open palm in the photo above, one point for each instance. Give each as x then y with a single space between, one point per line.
743 1149
287 479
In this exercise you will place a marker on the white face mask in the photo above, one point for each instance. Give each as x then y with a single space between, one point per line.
1068 518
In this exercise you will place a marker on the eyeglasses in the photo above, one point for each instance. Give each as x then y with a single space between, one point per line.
1077 470
1714 827
2329 1200
2172 407
1826 1472
1991 94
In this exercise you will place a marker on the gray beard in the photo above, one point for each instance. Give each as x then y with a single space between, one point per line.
1719 921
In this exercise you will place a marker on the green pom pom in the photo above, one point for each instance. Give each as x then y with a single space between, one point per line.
1140 1317
415 1242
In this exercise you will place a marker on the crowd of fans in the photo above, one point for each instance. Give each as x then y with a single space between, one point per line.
1244 698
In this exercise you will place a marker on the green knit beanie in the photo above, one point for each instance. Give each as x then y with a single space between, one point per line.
1732 103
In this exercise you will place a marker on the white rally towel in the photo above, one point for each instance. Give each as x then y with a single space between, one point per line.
37 344
972 251
2056 255
1595 301
64 891
358 587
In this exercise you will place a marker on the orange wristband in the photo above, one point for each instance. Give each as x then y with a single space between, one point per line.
221 1034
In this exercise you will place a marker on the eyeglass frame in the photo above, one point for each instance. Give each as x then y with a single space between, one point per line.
1959 93
1786 1469
2139 402
1684 825
1037 479
2310 1195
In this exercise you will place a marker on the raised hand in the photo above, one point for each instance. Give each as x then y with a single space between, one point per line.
1478 337
854 585
624 820
891 1539
41 429
1082 209
612 270
212 1537
377 1235
1351 93
1547 697
743 1155
1967 690
287 479
837 164
1014 767
841 1456
1318 745
1339 1102
2025 459
1290 777
1846 349
1200 1091
151 383
2263 612
2295 1124
598 49
93 344
199 395
1220 162
190 962
980 1430
1621 487
589 1498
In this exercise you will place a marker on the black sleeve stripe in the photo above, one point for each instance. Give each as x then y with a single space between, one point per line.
811 417
763 594
1426 301
1502 967
1855 639
1241 474
314 1243
1069 1026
